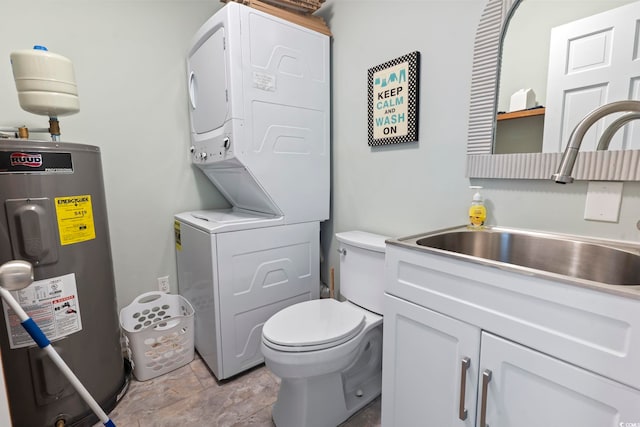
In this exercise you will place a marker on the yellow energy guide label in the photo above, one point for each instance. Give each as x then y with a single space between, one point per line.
176 231
75 219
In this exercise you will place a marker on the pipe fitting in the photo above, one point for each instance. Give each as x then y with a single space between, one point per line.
54 128
23 132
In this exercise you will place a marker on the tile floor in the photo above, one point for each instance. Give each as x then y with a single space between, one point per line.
191 396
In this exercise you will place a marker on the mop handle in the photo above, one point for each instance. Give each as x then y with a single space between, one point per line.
43 342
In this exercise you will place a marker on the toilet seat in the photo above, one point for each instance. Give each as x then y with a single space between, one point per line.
313 325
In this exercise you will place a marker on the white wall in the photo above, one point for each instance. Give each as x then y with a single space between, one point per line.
129 59
413 188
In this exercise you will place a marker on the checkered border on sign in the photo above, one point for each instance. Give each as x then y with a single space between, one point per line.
412 125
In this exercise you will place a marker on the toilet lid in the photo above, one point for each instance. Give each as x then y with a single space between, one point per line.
314 325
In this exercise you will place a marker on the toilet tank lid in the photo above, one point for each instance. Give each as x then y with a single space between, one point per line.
363 239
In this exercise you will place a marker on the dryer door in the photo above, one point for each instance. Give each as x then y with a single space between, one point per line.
208 101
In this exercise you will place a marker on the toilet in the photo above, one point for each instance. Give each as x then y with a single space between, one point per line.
328 354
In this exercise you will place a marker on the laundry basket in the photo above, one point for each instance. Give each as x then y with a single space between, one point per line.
159 333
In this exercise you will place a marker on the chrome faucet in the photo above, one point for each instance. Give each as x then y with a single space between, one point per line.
563 175
605 139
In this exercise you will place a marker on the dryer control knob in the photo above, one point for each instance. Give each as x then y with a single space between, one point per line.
226 143
192 149
203 156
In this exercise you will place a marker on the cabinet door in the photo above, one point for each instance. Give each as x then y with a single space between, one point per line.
530 389
423 369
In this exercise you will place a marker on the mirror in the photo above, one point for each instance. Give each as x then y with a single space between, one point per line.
520 156
525 64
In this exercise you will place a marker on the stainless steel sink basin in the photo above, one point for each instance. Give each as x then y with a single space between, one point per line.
570 256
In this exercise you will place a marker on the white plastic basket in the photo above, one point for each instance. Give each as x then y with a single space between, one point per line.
159 332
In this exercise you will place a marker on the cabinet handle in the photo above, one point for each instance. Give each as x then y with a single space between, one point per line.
464 367
486 377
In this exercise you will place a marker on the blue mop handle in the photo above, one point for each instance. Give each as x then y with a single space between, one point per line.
43 342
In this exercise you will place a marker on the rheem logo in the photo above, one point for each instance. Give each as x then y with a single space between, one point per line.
26 159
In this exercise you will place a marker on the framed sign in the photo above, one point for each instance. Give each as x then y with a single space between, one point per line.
393 100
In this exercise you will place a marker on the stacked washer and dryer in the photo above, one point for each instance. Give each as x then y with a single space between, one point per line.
259 95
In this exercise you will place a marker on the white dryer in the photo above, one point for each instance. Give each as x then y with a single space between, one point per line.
259 100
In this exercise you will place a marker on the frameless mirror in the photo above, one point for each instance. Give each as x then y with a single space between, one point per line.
512 52
527 62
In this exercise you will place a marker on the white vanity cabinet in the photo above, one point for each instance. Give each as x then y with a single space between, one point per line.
459 336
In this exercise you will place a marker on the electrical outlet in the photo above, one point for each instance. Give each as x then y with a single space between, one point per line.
603 201
163 284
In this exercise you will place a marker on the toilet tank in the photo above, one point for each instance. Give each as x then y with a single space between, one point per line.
362 268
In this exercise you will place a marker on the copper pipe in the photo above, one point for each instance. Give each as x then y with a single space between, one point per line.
23 132
54 128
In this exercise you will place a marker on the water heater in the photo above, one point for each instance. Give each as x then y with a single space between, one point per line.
54 215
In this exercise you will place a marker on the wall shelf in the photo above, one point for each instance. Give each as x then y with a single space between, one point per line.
523 113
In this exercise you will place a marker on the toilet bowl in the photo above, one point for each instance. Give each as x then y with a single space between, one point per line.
328 354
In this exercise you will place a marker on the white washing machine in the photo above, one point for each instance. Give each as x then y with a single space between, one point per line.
259 94
236 280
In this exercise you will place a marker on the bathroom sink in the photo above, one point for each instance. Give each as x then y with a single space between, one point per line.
603 261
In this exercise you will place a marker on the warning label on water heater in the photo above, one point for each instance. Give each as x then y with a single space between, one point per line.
51 303
75 219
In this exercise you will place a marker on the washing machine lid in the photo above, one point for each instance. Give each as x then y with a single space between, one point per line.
313 325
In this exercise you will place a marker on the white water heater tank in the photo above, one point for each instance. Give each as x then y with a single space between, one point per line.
45 82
